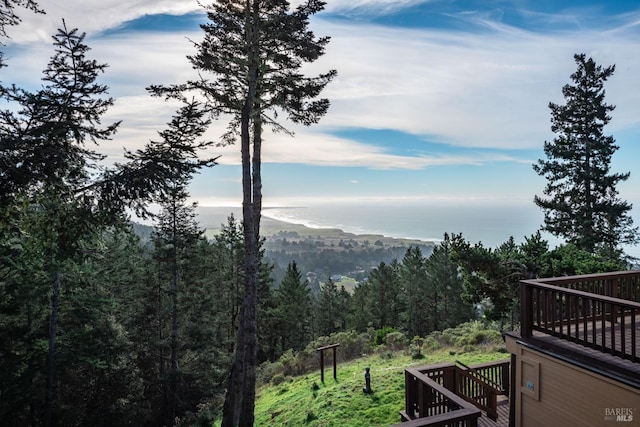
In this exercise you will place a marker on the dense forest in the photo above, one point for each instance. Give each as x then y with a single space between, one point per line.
146 327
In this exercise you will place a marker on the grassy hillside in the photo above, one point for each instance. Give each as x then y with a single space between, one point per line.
341 402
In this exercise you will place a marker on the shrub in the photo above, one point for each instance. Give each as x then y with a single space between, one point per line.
204 416
471 334
266 371
352 344
417 356
277 379
385 353
381 334
431 343
396 341
416 348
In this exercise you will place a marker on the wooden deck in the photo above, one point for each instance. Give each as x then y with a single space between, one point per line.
572 310
503 415
590 320
609 364
453 394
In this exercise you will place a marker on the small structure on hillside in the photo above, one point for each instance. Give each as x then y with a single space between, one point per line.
321 350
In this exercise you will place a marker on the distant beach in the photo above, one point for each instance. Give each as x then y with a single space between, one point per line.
212 218
489 223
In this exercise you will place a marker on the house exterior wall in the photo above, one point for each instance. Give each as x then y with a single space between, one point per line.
551 392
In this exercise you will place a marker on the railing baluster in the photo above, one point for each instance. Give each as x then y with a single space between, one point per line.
573 318
537 306
634 330
584 321
623 338
553 311
613 330
566 316
603 326
594 308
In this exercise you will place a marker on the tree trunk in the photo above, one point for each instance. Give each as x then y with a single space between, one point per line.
51 357
161 357
173 373
240 400
436 323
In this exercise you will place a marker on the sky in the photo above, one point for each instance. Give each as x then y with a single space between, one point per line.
434 99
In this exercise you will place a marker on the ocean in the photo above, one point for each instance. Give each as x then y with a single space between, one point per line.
491 223
488 222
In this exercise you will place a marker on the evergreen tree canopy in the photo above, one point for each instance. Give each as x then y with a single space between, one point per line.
250 63
293 310
490 276
331 308
445 288
9 16
59 202
385 303
582 203
415 285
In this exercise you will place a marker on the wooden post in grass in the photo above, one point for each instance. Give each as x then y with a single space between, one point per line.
335 370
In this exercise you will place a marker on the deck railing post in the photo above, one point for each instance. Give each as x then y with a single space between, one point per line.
409 396
449 378
422 400
614 293
526 309
506 377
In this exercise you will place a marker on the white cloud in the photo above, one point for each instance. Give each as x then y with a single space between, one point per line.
377 7
477 90
319 149
99 15
374 7
91 16
483 90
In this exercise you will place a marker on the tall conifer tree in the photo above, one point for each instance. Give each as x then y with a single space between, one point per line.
330 309
582 203
250 61
293 310
385 303
414 280
52 176
449 309
175 240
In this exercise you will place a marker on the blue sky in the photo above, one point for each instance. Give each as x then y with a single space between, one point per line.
436 99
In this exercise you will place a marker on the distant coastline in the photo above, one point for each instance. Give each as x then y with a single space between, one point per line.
213 218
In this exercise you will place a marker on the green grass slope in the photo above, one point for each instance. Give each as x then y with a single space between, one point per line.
341 402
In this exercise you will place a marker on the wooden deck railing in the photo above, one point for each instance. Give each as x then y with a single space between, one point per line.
496 374
451 395
598 311
429 403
